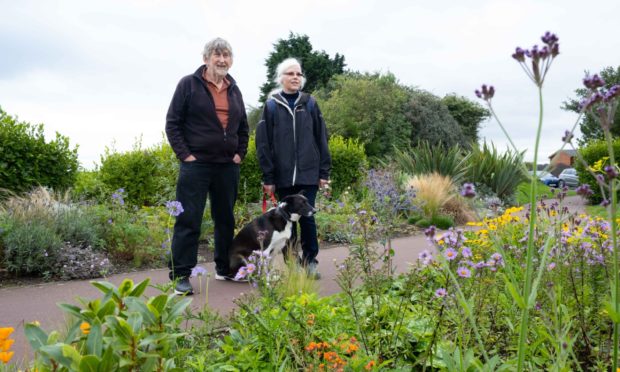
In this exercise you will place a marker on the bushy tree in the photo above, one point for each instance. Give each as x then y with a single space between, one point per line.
317 65
468 114
590 126
369 107
27 160
430 120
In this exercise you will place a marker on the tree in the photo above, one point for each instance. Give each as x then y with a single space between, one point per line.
468 114
430 120
590 126
369 108
317 65
27 160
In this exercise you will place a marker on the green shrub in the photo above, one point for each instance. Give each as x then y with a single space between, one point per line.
440 221
27 160
427 159
88 186
595 151
501 173
349 163
30 248
250 189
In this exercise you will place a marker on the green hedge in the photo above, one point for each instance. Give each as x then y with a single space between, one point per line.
27 160
592 153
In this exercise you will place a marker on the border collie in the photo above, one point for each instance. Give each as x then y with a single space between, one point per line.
275 227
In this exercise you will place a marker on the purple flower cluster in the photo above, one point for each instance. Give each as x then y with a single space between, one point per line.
118 196
486 93
388 198
599 95
257 268
611 171
198 271
174 208
468 190
568 136
541 57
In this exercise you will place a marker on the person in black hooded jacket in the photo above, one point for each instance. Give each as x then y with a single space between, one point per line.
291 144
208 130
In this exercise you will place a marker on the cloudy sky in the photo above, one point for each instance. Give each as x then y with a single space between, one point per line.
103 72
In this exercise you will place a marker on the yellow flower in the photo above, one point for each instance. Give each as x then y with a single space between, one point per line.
36 323
6 332
5 356
85 327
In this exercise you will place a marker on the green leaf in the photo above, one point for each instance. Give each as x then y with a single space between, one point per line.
94 341
140 288
136 305
177 310
514 293
613 314
36 336
89 363
125 288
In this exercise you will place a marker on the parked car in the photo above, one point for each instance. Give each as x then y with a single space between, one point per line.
569 178
548 179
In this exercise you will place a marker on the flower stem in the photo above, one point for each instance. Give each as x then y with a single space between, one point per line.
615 290
530 244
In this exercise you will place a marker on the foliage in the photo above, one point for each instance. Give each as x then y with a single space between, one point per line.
468 114
148 175
41 231
595 157
349 163
502 173
120 331
27 160
590 125
433 191
439 221
369 108
250 189
430 120
426 159
318 67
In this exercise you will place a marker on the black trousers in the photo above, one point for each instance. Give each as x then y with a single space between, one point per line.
197 180
309 241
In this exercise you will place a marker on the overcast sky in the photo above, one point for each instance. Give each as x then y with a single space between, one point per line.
103 72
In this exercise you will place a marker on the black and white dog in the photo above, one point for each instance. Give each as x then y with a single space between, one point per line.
274 227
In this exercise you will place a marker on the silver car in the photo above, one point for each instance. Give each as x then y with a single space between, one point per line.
569 178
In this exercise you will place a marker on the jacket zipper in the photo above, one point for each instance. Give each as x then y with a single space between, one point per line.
294 135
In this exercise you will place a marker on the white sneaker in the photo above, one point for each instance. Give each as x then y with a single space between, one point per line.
232 279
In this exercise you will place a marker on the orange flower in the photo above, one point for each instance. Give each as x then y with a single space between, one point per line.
85 327
352 348
311 346
6 344
6 332
5 356
370 364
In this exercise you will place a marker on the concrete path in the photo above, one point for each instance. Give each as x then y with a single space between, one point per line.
19 305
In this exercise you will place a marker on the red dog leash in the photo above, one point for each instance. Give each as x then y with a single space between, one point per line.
273 200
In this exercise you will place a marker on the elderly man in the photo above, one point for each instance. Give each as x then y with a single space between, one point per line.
207 128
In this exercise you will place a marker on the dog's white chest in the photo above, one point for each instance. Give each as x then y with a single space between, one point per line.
279 239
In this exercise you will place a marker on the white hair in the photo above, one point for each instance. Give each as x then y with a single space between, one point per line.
217 45
281 69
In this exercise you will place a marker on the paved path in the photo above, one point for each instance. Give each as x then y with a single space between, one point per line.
19 305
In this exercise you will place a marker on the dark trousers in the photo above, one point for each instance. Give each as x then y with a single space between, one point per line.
197 180
309 241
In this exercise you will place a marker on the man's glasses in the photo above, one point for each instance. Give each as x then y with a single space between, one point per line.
298 74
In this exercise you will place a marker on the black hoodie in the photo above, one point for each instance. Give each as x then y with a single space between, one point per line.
192 125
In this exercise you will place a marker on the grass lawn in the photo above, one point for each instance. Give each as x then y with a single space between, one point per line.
598 211
544 192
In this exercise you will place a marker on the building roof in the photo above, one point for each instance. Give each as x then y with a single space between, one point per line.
570 153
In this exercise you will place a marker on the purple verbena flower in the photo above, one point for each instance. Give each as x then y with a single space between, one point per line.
426 257
242 273
584 190
486 93
250 268
593 82
468 190
430 232
568 136
611 171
